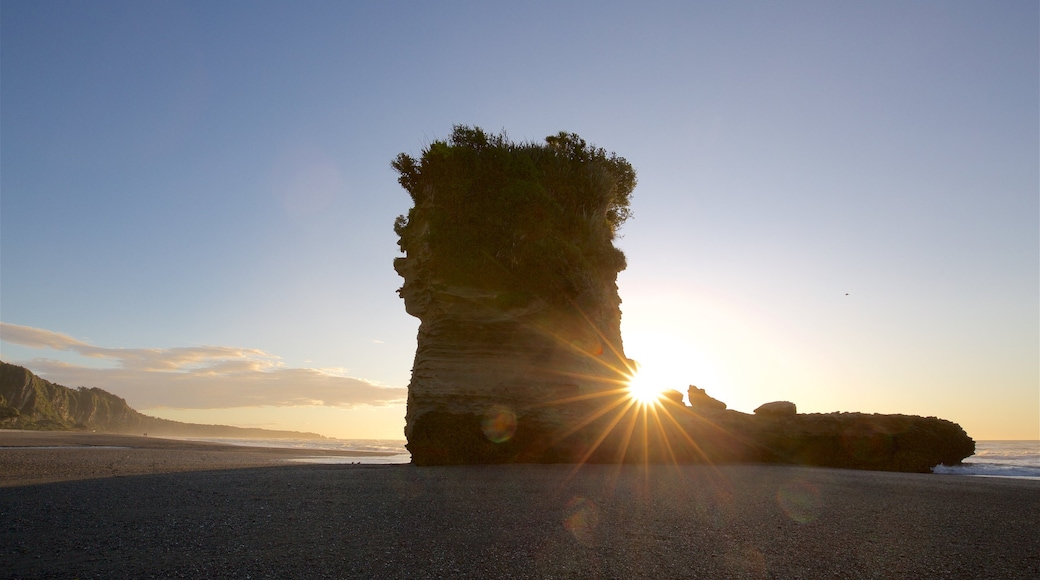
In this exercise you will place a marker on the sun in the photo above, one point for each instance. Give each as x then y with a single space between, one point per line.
644 389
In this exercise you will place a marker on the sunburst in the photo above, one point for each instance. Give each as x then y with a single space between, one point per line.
644 390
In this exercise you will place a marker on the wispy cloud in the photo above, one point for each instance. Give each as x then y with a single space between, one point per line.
199 377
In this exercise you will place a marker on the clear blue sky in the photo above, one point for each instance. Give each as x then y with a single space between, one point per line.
197 205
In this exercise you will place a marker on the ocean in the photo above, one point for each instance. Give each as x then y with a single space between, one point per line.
391 450
1019 459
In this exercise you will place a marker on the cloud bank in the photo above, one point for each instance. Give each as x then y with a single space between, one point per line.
200 377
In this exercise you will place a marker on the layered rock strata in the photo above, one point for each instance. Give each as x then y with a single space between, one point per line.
493 384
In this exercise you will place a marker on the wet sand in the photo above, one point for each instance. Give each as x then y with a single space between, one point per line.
144 507
28 457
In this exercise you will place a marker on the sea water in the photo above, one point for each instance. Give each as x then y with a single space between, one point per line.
1019 459
391 451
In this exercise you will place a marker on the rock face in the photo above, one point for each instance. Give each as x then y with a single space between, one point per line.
510 268
29 402
493 384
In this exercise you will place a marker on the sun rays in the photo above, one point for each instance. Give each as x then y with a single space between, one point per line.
610 410
638 419
634 416
644 390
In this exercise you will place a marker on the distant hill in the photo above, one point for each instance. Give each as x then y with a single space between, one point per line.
29 402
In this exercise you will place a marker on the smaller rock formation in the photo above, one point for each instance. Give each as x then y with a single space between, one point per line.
701 401
777 409
674 397
777 434
860 441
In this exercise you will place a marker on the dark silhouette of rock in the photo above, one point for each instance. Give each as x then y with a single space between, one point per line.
29 402
861 441
777 409
842 440
701 401
511 270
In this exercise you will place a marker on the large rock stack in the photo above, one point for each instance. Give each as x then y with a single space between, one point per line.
511 270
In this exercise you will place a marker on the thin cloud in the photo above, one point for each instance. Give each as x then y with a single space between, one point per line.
203 377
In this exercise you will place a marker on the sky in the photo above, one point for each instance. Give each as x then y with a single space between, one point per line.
838 203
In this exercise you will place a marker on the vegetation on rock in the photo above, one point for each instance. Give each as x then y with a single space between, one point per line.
529 219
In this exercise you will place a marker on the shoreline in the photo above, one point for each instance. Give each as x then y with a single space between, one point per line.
37 457
246 512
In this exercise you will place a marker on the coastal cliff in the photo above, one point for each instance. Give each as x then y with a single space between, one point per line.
30 402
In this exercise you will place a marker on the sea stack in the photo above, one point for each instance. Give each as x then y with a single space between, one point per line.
510 267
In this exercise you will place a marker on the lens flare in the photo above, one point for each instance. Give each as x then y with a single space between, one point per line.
499 424
800 500
582 519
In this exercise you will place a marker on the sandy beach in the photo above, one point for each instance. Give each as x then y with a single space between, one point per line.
133 507
30 457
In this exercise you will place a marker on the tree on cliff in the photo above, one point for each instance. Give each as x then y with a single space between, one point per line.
533 220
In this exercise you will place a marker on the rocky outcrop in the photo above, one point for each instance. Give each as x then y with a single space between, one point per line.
683 434
777 409
701 401
675 397
30 402
859 441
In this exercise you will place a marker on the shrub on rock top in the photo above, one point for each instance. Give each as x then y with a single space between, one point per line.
536 219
